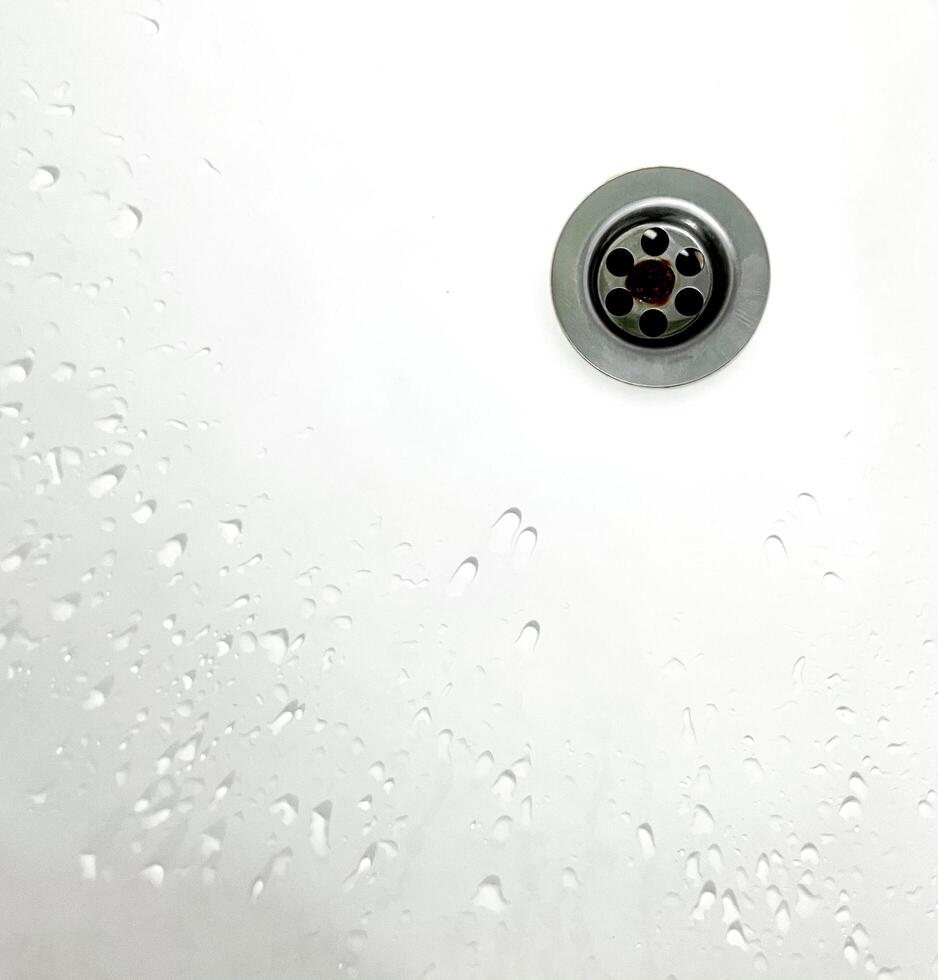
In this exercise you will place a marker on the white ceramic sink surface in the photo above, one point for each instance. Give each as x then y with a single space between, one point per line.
297 257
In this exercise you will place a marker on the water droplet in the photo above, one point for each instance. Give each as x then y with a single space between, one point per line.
154 873
64 372
463 576
692 866
44 178
834 582
851 810
148 25
12 560
54 460
293 710
224 787
851 953
705 900
502 829
62 609
856 784
230 530
421 719
646 840
20 260
776 552
286 807
319 828
144 512
444 742
527 813
89 866
364 867
275 643
106 482
688 732
674 670
172 550
504 786
212 838
489 895
753 770
807 507
570 879
504 530
807 903
762 868
525 544
782 918
98 696
110 423
125 222
702 821
730 907
15 372
527 639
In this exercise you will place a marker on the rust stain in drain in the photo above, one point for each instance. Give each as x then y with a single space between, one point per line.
651 281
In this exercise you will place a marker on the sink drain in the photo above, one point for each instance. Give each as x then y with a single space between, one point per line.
660 277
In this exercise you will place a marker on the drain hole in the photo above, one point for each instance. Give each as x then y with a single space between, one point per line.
619 262
688 302
655 241
653 323
689 262
619 301
651 281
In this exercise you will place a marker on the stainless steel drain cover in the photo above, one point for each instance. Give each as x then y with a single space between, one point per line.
660 277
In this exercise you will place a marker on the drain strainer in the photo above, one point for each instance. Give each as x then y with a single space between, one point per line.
660 277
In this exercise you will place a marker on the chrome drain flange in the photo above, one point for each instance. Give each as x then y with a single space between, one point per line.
660 277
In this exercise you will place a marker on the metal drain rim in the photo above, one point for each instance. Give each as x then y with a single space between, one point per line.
702 203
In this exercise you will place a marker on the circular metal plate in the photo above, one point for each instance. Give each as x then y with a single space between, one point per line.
698 210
